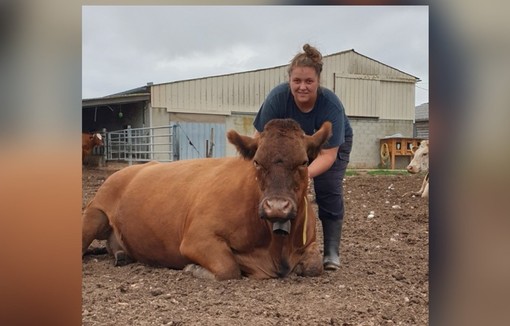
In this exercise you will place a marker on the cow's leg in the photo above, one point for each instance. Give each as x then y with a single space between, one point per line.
425 192
419 192
115 247
415 193
424 189
311 262
212 254
94 226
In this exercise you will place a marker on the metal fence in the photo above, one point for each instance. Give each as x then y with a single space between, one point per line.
166 143
141 144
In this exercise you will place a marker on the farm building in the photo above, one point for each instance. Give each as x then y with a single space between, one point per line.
421 121
378 99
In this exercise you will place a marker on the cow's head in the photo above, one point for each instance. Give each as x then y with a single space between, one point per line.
420 161
97 139
280 156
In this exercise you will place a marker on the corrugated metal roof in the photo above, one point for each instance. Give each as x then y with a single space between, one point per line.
137 90
115 99
129 94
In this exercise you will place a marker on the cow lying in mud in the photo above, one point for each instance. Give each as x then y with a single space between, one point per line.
419 163
217 218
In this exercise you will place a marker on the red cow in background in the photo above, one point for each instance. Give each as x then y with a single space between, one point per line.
88 142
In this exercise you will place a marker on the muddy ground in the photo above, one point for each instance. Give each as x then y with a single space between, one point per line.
383 279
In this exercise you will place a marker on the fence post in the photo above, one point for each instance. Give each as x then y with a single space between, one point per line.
129 142
151 143
105 145
175 143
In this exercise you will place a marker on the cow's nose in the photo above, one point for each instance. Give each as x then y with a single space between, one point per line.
277 207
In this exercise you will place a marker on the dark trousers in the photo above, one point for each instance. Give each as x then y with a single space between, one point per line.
328 186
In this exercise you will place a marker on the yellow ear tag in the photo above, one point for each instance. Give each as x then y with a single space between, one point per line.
306 221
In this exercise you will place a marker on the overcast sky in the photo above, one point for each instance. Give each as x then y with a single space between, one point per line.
125 47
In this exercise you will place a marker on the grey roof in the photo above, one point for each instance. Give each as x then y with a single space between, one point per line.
120 98
130 96
138 90
422 112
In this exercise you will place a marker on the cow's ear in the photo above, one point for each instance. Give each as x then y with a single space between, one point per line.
246 146
315 142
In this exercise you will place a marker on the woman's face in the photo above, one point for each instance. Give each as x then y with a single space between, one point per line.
304 83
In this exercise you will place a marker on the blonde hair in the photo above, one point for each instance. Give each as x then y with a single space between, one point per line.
310 58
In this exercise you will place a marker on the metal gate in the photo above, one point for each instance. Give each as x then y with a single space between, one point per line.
174 142
141 144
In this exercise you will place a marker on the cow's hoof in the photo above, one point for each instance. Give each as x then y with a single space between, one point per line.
190 268
310 271
121 258
199 272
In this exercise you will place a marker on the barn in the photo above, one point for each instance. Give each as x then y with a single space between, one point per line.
189 118
421 121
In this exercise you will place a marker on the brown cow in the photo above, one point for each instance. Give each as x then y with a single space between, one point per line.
88 142
419 163
218 218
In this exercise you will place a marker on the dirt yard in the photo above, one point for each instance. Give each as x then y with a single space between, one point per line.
383 279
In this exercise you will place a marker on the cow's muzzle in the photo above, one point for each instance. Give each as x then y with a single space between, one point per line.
413 169
279 211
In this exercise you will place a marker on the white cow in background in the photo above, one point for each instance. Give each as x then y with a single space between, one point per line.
419 163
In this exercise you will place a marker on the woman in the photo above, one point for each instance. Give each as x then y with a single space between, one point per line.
304 100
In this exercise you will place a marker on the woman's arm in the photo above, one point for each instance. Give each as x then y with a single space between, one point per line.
323 162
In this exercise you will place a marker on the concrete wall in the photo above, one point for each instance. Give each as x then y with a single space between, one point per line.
367 133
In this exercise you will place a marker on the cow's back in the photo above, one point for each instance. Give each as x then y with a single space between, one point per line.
151 206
